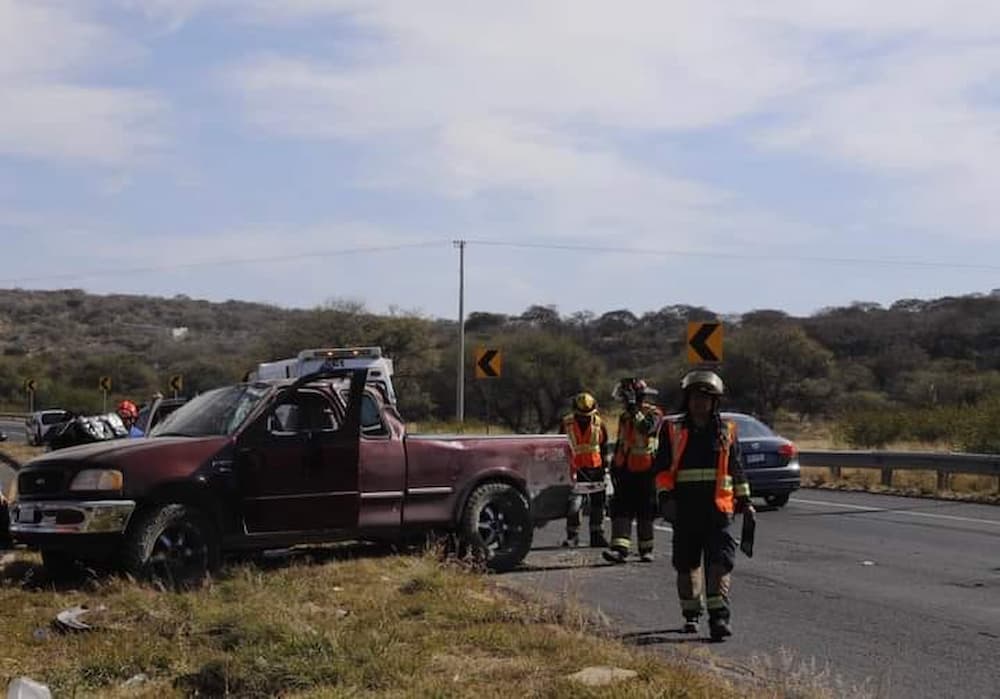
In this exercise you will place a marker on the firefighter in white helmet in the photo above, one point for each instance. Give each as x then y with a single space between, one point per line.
700 485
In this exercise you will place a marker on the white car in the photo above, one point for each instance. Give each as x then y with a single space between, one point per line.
38 424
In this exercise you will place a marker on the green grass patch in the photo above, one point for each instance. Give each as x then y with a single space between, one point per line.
389 626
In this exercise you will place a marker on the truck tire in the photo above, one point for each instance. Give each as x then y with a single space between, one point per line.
496 525
173 545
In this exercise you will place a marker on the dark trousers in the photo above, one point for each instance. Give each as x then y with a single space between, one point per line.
634 499
597 505
704 554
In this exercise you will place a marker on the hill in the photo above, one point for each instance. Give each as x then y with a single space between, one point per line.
941 353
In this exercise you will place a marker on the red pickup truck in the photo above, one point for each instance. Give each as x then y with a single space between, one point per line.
274 464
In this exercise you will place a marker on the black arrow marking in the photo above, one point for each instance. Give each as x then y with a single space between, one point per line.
486 363
700 338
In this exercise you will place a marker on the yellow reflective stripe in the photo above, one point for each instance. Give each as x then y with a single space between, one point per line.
727 483
621 542
742 490
695 475
715 602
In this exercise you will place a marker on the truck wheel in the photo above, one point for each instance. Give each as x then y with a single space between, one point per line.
776 499
496 525
174 545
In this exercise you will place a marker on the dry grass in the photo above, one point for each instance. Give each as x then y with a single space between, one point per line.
913 483
392 626
21 452
963 487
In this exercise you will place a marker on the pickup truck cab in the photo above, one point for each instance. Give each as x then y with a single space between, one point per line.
273 464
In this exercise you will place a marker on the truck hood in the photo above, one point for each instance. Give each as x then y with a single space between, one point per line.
145 463
125 454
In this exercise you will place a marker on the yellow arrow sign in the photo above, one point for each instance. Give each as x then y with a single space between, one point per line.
704 342
105 384
29 385
489 363
176 383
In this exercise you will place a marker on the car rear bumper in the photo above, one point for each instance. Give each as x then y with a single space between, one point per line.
766 481
69 517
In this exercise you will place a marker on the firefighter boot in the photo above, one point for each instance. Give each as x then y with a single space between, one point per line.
690 624
571 541
719 628
615 555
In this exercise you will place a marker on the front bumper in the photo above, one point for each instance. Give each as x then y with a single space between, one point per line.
28 518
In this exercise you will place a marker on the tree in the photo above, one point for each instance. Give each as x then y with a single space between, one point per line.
768 364
541 372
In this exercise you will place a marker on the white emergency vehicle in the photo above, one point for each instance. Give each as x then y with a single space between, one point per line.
312 360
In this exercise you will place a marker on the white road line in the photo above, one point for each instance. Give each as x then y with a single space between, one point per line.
875 510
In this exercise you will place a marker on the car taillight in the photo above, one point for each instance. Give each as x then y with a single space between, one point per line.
788 451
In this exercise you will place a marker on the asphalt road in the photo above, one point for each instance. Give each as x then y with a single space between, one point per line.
14 430
900 595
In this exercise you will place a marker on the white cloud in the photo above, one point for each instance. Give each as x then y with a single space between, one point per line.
479 96
49 110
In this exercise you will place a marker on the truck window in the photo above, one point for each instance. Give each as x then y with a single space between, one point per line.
371 418
305 411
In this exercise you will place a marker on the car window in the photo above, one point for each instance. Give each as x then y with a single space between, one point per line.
52 418
750 428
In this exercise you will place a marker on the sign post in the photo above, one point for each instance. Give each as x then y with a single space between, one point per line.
105 384
29 390
489 365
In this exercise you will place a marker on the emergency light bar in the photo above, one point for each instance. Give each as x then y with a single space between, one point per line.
342 353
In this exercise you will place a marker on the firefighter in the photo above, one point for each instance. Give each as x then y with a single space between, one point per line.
588 438
632 472
700 485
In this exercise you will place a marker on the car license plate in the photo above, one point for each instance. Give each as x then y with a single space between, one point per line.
755 458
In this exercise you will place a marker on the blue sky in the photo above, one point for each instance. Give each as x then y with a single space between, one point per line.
147 146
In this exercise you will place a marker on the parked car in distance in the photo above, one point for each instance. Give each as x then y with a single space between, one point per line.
38 424
771 461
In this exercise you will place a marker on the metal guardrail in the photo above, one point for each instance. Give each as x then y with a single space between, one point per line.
943 464
13 416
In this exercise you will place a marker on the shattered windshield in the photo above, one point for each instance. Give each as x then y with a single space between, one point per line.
219 412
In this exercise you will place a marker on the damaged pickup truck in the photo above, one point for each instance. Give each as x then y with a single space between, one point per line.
274 464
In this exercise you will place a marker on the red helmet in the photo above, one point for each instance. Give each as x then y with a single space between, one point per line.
128 409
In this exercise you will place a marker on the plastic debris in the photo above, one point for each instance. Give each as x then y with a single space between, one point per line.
27 688
70 619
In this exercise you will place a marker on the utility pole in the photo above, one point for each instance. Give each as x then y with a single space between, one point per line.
460 401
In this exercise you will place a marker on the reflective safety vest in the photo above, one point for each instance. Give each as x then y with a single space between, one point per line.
635 449
586 443
678 434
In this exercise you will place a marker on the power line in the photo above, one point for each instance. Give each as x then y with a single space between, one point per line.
888 261
224 261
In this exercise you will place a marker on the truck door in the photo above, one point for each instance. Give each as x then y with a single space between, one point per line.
298 469
383 466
